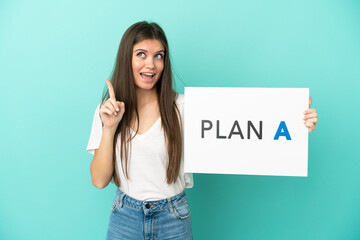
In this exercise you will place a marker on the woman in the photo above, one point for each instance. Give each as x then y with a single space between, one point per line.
140 148
150 200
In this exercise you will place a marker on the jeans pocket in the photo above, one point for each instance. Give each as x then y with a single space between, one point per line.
115 204
182 210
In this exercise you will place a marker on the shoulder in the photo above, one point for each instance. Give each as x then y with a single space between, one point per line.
97 113
97 109
179 99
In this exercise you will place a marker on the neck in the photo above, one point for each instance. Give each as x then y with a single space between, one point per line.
145 96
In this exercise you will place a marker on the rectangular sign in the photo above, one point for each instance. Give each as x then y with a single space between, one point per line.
254 131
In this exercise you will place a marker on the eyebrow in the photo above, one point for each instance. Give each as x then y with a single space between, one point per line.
146 51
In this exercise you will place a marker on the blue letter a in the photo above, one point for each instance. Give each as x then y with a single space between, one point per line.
282 131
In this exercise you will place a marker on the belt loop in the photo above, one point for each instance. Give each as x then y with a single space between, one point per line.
170 205
121 200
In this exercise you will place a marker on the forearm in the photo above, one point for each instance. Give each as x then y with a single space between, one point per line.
102 166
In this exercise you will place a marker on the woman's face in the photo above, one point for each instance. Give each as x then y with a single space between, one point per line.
147 63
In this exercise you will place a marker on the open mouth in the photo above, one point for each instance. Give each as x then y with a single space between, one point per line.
147 76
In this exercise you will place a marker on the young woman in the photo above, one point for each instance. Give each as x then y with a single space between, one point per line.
136 140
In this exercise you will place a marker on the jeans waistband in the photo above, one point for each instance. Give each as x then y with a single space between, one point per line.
149 205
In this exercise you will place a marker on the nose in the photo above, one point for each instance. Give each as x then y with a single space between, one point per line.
150 63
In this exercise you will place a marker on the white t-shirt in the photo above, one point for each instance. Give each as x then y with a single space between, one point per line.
147 163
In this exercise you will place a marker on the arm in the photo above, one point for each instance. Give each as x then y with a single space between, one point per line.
102 166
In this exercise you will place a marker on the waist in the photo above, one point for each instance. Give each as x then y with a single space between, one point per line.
152 205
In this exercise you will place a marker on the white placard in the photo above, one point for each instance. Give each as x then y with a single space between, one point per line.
254 131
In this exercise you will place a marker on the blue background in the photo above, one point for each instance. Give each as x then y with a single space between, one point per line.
55 57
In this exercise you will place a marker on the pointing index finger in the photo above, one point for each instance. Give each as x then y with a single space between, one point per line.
111 89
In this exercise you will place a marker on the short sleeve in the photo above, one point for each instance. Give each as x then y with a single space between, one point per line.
180 101
189 180
96 132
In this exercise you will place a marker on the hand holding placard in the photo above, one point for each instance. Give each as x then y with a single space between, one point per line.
310 118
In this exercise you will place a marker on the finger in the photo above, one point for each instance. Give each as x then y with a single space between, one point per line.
113 113
309 124
313 120
312 128
111 89
115 105
311 110
310 101
310 115
106 111
121 106
110 106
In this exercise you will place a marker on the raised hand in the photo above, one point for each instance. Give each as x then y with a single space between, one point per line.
112 111
310 118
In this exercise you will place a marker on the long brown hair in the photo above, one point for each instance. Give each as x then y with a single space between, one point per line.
123 82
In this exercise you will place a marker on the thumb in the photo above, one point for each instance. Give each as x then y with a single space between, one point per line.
121 106
310 101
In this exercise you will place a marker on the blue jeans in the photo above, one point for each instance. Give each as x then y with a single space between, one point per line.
164 219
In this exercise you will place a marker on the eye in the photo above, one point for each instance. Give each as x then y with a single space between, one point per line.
140 54
159 56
